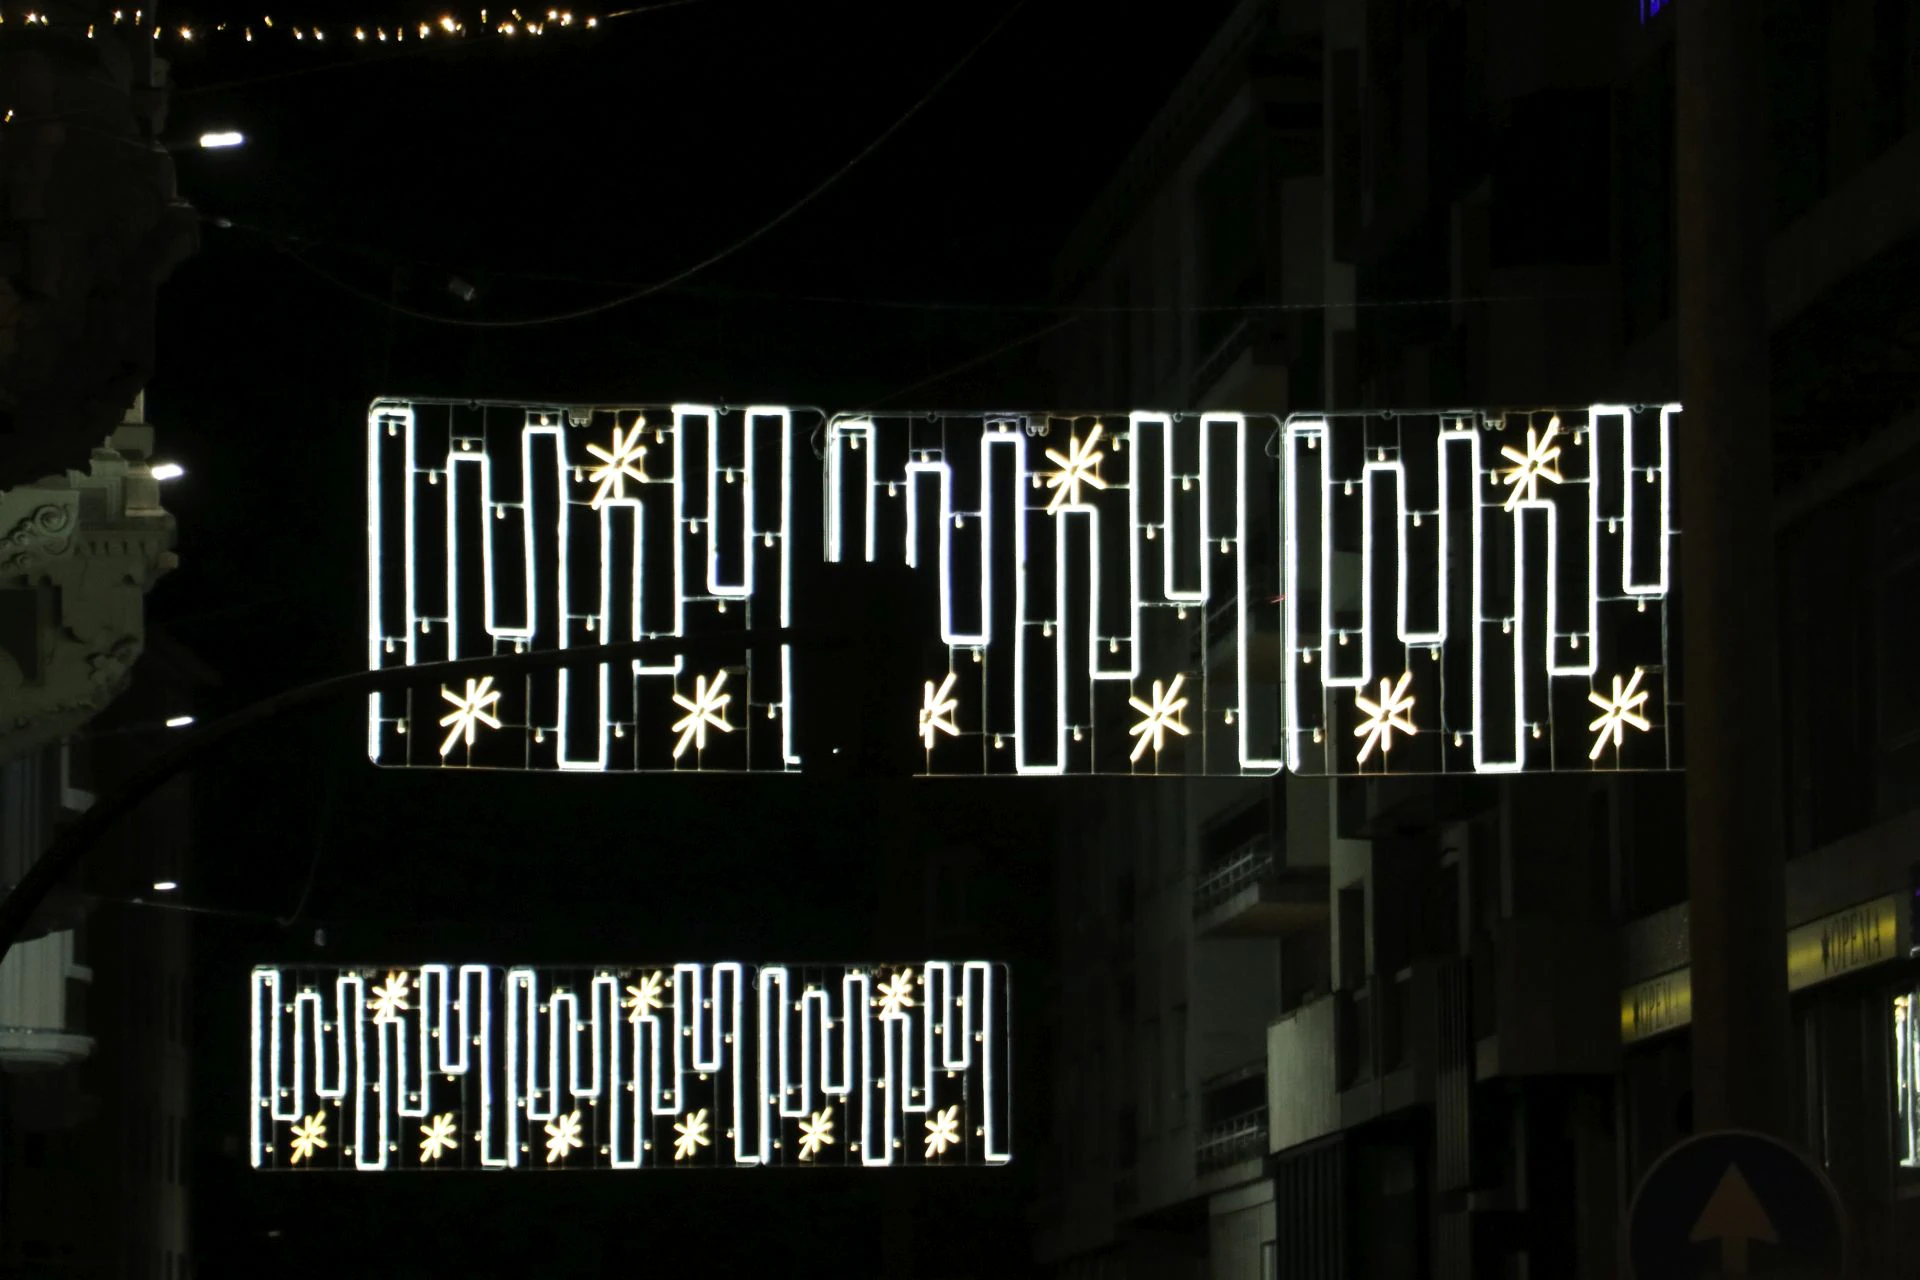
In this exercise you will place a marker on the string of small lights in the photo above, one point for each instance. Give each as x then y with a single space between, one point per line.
441 27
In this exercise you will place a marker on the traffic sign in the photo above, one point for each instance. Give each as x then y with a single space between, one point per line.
1735 1204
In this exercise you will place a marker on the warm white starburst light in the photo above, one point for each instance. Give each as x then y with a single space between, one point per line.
693 1134
1384 716
626 460
469 712
1533 465
389 1000
1160 716
943 1130
1617 712
896 993
816 1133
437 1137
563 1134
708 706
309 1135
936 711
645 996
1079 465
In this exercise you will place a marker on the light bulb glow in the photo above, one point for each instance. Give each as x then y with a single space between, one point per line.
221 140
167 471
725 1065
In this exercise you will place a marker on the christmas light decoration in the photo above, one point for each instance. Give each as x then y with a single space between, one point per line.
447 25
936 711
737 1066
496 529
1210 593
1617 712
1383 717
1557 584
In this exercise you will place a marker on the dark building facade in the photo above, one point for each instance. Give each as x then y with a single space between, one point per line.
1455 1013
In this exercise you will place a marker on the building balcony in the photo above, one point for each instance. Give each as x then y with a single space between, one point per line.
38 1023
1230 1146
1250 894
1302 1097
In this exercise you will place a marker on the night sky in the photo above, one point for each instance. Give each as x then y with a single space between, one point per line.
549 174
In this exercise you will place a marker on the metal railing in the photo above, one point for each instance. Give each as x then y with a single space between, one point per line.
1243 1137
1251 863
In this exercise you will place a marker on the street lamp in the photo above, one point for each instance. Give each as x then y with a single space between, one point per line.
221 139
167 471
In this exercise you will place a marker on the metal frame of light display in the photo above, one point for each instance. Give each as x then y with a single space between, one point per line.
472 1066
1203 593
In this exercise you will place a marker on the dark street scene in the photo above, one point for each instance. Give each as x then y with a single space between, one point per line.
961 640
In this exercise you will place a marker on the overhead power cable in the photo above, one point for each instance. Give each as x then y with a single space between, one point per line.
713 259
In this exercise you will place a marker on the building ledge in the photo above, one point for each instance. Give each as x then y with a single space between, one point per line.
1253 897
37 1049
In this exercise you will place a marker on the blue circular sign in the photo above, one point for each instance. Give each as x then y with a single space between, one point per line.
1736 1204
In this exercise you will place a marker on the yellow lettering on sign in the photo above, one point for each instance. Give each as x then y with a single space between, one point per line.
1656 1005
1856 938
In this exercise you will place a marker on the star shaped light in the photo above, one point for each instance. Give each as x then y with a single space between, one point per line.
389 1001
563 1134
309 1135
1384 716
1079 465
1159 716
816 1133
626 460
1619 711
693 1134
1534 465
437 1137
896 993
943 1130
936 711
708 706
645 996
469 712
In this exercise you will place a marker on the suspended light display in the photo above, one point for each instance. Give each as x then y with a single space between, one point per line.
670 1066
1467 591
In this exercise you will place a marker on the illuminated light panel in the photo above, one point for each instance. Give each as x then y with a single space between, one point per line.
1130 548
496 529
736 1066
1080 570
1566 544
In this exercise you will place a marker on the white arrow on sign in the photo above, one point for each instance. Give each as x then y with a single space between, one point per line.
1733 1216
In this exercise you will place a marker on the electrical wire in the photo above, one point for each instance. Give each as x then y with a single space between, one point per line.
964 365
417 49
280 240
713 259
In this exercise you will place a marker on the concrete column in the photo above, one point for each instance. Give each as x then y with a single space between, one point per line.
1731 675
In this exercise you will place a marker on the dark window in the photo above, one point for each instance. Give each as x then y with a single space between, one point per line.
1230 205
1345 160
1646 196
1353 935
1550 200
1796 97
1898 615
